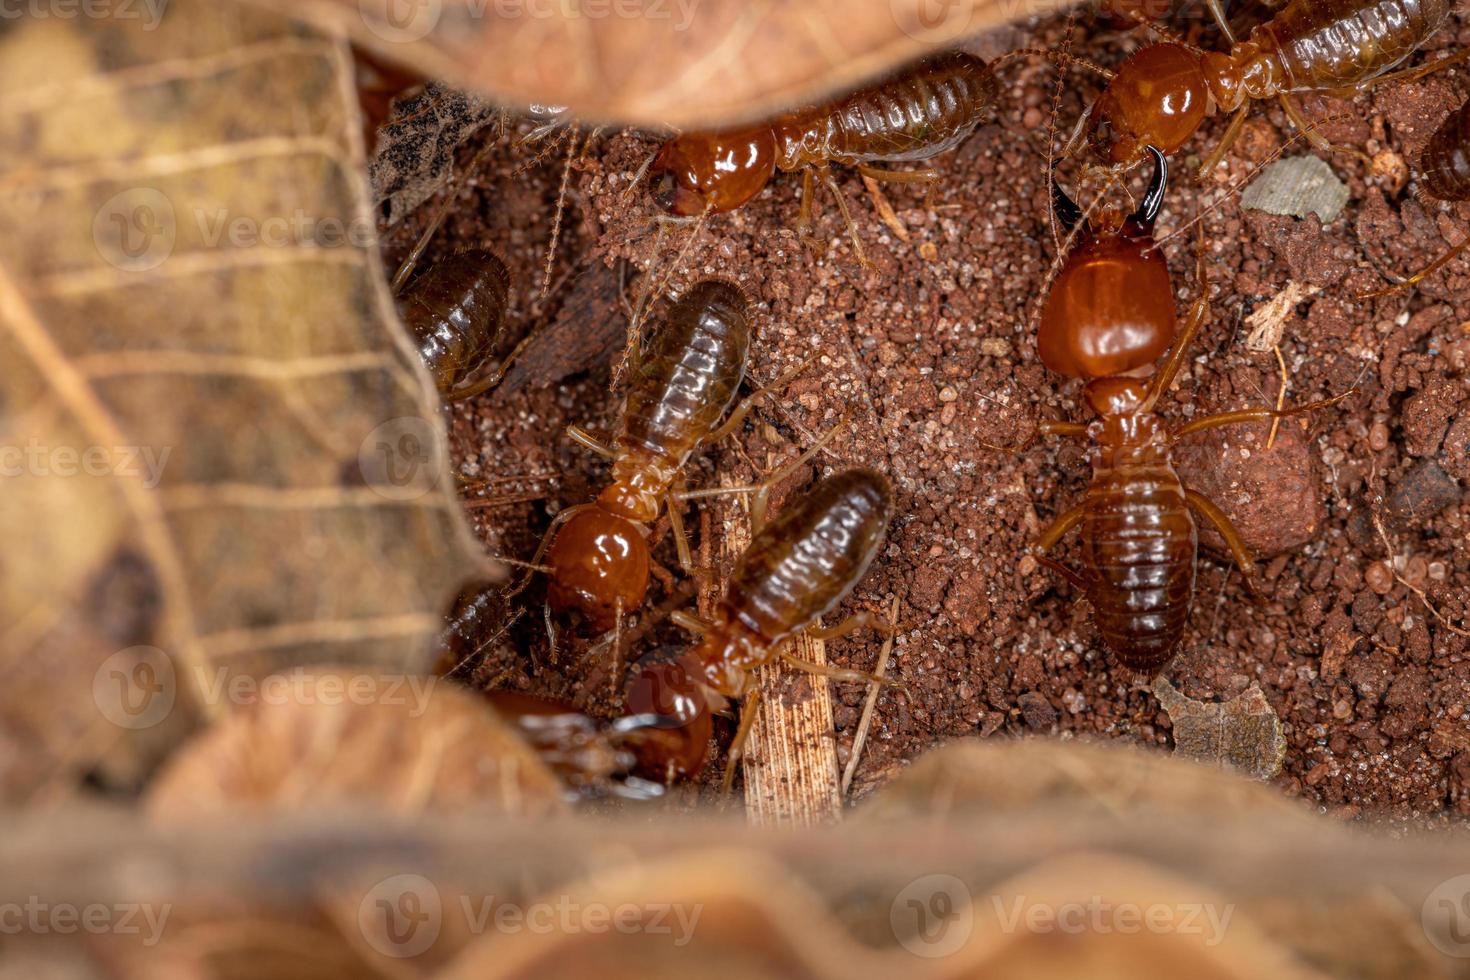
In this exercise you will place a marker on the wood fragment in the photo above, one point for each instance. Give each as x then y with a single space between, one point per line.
1268 322
790 759
870 705
1243 734
1297 186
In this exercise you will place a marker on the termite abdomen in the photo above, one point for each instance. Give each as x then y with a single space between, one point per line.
1326 44
803 563
688 376
916 115
1445 163
455 311
1140 546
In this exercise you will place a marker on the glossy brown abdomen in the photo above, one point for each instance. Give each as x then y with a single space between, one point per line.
689 374
1445 164
454 312
931 108
1325 44
1139 548
803 563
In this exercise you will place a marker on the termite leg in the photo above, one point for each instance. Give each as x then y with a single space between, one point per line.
926 176
587 440
1254 415
1059 527
853 623
1221 21
742 735
535 563
857 243
743 409
837 673
1419 276
494 377
1206 508
1222 146
550 631
806 216
762 490
1412 74
681 539
1046 427
1064 570
1309 130
689 621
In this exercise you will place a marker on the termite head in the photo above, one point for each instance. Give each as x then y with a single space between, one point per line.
1110 309
599 566
1158 98
700 172
676 745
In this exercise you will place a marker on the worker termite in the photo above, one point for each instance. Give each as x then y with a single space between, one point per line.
681 388
913 116
797 568
1444 172
1109 314
1162 94
455 312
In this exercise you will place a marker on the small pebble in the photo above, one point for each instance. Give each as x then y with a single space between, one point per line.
1416 570
1379 577
1437 571
1378 437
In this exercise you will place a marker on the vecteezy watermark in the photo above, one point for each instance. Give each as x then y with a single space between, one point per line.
1101 915
136 229
149 12
36 458
219 227
137 688
936 22
933 916
37 917
396 459
402 916
1446 917
406 21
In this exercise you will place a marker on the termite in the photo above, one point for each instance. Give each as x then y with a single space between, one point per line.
1162 94
455 312
683 385
1444 173
913 116
1109 314
796 569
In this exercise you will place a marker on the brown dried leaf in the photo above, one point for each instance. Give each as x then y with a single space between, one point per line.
1243 733
335 737
196 328
415 153
672 62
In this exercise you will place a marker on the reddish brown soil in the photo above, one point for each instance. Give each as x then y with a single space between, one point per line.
931 354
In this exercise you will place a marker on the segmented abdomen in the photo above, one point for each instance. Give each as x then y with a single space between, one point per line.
919 114
455 312
805 561
1139 548
1325 44
690 372
1445 164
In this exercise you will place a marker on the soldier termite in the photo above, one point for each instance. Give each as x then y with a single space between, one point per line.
1108 316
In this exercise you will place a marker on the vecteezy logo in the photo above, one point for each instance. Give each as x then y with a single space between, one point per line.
400 21
401 916
933 916
935 22
135 688
397 460
135 230
1446 917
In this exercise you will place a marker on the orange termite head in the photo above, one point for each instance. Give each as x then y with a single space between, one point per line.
1158 98
715 172
673 743
599 564
1111 307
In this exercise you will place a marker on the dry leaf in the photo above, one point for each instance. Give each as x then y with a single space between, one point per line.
226 458
416 147
1297 186
654 62
1267 322
1243 733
